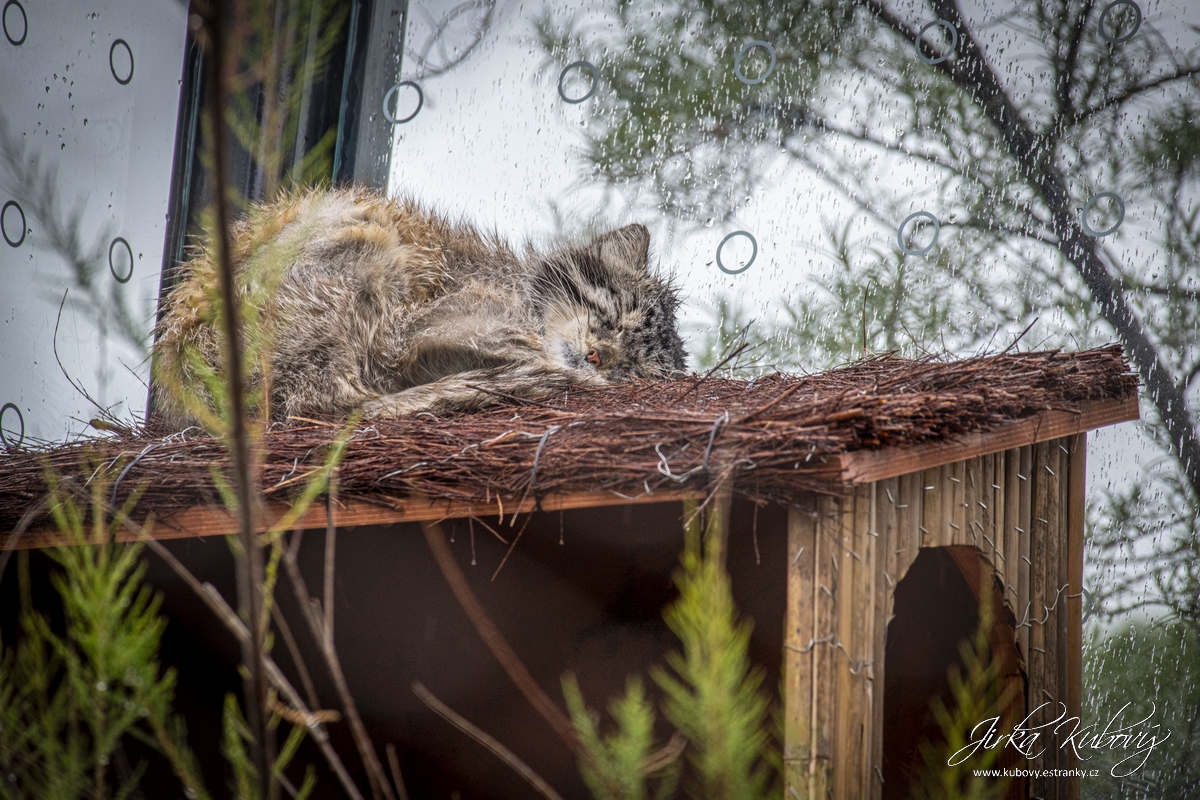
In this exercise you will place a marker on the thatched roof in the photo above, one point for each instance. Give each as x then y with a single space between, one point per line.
774 435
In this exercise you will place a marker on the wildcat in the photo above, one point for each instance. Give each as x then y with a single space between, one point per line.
366 303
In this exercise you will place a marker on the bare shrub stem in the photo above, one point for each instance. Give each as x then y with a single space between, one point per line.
250 581
481 736
380 787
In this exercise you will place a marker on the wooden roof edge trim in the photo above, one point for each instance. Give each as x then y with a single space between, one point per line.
861 466
202 521
865 466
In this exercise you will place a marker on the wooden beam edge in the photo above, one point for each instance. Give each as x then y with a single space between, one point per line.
201 521
862 466
865 466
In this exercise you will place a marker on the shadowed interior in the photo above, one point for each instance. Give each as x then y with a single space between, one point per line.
592 605
935 611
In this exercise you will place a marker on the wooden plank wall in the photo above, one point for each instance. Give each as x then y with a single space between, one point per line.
1022 509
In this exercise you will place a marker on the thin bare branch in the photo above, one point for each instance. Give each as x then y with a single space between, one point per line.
495 640
330 553
1065 76
289 640
250 573
394 763
497 749
1134 91
862 136
666 755
105 412
217 604
420 56
316 624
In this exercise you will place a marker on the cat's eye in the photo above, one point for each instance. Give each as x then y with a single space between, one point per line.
593 357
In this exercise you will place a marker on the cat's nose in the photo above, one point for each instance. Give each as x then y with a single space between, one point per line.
604 356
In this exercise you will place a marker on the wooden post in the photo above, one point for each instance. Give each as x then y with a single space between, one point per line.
886 523
854 602
1042 654
825 657
882 538
932 513
1023 525
799 652
1012 539
1075 517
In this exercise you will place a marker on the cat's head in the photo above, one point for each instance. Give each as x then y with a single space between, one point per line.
603 308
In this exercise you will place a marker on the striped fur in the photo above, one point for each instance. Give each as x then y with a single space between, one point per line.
368 303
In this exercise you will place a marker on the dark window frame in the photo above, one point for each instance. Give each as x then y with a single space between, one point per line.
371 65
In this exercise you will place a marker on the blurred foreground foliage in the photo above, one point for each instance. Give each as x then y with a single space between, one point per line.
70 701
713 696
72 698
949 773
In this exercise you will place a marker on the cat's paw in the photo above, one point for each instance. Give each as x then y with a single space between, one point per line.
395 406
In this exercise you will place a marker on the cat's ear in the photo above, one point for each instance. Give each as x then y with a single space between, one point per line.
628 247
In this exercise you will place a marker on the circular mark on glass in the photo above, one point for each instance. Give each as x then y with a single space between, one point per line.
1120 215
387 112
753 253
21 438
1137 21
937 228
114 265
737 62
4 223
949 50
114 57
562 76
8 29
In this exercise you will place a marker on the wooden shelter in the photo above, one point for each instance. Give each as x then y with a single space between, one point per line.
892 499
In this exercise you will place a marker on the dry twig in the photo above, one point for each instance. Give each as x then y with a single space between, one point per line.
212 598
495 640
323 634
497 749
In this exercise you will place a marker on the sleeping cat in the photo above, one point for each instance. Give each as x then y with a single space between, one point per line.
379 305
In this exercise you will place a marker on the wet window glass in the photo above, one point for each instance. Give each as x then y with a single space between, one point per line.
87 132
